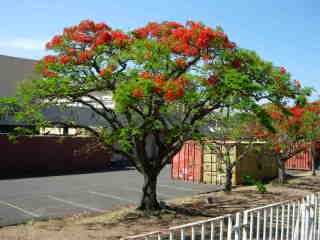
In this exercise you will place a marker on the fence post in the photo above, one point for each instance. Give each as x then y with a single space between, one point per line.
245 226
308 218
171 235
237 227
318 217
229 230
312 217
297 225
303 219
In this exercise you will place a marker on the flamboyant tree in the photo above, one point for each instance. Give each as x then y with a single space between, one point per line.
295 131
164 78
309 121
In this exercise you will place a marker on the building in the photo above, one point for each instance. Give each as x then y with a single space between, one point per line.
13 71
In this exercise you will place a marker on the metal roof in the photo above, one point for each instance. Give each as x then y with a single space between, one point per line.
14 70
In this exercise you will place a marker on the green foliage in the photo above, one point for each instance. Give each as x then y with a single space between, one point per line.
261 188
248 180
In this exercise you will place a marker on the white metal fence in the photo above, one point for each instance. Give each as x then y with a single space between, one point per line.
289 220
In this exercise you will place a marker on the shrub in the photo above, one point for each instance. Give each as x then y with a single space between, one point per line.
248 180
261 187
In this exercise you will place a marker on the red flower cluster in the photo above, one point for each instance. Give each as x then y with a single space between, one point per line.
277 148
156 30
191 39
277 78
174 89
313 107
101 27
65 59
84 56
213 80
145 75
297 111
106 72
169 90
86 25
236 64
180 92
119 38
276 115
207 35
49 59
170 95
102 38
48 73
137 93
181 63
89 35
81 37
56 41
260 133
282 70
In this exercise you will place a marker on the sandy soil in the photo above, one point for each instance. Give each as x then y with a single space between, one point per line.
127 221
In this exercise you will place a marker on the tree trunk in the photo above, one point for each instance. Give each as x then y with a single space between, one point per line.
228 184
149 200
313 158
281 171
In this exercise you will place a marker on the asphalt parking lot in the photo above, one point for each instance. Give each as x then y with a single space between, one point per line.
56 196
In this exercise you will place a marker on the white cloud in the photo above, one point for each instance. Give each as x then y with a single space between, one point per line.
23 43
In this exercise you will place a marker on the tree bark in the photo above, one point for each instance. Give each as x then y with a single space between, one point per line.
313 159
228 184
281 171
149 202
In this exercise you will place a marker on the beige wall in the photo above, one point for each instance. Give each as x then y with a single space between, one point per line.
257 163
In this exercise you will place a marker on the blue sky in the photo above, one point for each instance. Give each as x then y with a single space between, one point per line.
285 32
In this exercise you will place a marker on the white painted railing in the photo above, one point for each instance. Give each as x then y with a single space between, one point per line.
290 220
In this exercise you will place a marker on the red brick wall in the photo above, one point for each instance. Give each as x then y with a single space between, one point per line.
40 154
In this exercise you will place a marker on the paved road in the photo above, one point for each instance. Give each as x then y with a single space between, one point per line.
55 196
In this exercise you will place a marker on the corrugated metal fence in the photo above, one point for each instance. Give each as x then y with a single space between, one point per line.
46 154
301 161
295 220
187 163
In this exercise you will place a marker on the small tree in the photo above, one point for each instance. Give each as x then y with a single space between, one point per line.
294 132
229 130
309 128
164 78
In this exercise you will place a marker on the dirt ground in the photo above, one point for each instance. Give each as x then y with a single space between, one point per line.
127 221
